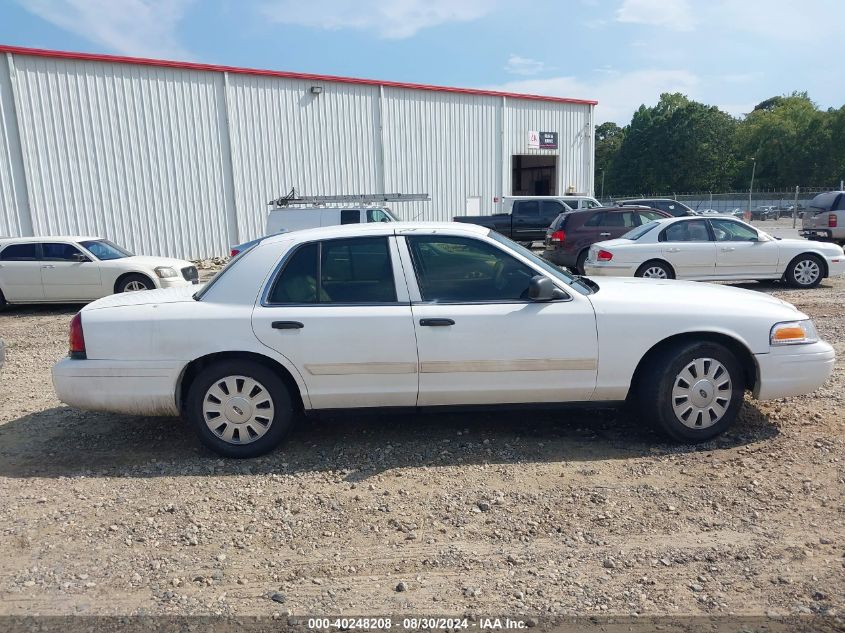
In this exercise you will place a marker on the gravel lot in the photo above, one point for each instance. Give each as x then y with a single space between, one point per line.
567 512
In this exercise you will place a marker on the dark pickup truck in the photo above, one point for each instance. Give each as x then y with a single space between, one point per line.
529 218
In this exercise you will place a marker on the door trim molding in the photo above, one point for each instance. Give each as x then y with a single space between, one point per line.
526 364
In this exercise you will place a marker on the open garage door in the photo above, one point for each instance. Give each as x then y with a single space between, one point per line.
533 175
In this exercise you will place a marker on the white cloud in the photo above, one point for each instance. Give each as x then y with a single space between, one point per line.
392 19
673 14
618 94
131 27
517 65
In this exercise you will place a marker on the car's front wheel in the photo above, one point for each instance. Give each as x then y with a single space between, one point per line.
239 408
134 283
691 392
805 271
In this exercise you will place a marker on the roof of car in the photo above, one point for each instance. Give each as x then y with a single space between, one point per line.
373 228
49 238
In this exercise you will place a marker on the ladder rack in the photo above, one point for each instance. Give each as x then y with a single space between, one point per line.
361 199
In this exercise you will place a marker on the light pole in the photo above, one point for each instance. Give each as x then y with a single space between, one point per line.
751 186
602 186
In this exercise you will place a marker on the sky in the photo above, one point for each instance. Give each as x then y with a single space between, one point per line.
623 53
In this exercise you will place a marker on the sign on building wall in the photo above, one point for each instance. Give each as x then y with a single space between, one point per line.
542 140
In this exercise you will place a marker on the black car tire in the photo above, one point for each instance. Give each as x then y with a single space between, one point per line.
141 280
641 271
579 263
3 303
797 272
271 388
657 397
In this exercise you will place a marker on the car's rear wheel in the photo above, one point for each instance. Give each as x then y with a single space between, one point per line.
805 271
579 264
239 408
691 392
655 270
2 301
134 283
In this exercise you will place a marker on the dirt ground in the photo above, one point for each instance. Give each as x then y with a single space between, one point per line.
558 512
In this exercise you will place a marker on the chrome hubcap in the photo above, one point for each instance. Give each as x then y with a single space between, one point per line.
655 272
701 393
238 409
806 272
134 286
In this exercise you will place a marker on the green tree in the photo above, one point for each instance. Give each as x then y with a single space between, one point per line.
609 137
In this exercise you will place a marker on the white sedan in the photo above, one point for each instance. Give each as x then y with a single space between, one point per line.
714 249
81 269
413 315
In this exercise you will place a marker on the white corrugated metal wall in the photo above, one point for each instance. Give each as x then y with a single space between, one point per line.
181 162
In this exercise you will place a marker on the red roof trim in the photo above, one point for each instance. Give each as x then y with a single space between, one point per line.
163 63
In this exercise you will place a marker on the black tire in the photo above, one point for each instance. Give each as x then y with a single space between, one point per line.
280 420
658 379
579 263
3 303
655 264
134 278
799 271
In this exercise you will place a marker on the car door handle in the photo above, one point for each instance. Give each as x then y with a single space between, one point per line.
287 325
604 234
673 250
728 249
48 266
436 322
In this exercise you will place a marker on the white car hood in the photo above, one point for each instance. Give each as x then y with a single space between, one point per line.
145 297
621 294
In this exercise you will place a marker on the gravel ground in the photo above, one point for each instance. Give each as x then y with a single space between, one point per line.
565 512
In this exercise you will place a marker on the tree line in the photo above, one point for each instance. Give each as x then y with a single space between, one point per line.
680 145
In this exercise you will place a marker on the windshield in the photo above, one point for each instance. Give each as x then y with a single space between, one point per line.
637 233
105 250
573 281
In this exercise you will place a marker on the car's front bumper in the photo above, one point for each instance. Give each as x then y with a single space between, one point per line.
793 370
609 269
133 387
175 282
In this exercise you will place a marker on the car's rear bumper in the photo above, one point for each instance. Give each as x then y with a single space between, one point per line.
793 370
559 257
609 269
136 387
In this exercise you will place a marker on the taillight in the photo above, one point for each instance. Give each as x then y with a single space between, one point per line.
234 252
604 256
831 220
558 236
76 338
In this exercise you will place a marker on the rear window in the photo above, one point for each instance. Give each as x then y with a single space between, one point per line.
823 202
638 232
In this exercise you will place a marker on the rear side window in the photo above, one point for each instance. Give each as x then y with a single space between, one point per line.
526 207
356 270
686 231
19 253
596 219
350 216
840 206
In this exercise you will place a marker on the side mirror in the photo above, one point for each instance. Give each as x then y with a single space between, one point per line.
542 288
80 258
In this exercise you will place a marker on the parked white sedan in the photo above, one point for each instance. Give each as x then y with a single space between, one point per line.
714 249
409 315
80 269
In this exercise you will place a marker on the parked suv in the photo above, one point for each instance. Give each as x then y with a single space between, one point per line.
824 218
570 236
667 205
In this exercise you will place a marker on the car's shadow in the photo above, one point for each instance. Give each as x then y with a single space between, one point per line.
63 442
41 309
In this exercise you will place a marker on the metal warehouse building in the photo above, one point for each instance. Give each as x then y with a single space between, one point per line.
180 159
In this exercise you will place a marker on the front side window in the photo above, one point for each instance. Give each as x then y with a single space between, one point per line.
105 250
356 270
378 215
54 251
727 231
686 231
619 219
551 208
648 216
463 270
20 253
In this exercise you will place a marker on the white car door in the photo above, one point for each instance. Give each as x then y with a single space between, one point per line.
741 252
689 248
20 272
339 311
480 339
69 274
